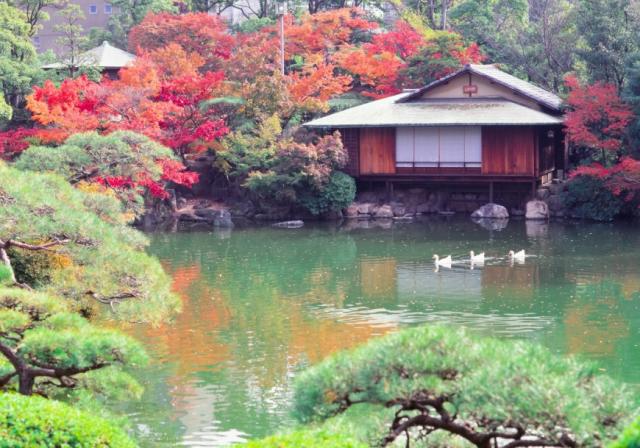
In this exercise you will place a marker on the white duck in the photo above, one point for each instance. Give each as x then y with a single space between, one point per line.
517 256
445 262
479 259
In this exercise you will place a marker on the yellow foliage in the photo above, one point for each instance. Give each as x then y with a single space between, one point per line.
270 128
330 396
418 22
94 187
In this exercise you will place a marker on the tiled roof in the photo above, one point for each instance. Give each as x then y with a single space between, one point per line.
395 111
103 56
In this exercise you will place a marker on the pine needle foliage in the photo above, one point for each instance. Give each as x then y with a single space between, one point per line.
440 380
95 258
46 348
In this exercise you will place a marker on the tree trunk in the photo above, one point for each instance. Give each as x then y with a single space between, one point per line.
25 383
443 16
7 262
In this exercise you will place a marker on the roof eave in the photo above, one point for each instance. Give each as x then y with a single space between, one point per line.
395 125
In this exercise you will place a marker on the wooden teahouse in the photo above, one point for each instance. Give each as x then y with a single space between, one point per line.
478 127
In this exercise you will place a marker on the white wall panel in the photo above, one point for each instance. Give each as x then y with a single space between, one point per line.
404 146
473 146
452 146
426 144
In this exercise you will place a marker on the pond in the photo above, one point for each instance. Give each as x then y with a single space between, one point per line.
259 304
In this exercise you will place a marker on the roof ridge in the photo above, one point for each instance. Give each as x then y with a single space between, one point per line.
526 88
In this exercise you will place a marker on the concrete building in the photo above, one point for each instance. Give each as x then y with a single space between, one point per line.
96 12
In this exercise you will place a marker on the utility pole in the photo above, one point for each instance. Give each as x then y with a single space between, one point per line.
282 11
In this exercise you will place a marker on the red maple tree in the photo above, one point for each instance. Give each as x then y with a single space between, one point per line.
143 99
597 118
203 34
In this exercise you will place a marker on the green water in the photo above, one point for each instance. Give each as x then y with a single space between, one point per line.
261 303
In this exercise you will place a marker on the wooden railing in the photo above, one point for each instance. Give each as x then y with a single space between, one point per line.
438 167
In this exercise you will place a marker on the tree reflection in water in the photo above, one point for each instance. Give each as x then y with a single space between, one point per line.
260 304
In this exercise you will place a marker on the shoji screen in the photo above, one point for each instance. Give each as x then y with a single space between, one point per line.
426 147
404 147
437 147
473 146
452 146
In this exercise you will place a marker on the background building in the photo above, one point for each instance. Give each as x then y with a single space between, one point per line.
96 15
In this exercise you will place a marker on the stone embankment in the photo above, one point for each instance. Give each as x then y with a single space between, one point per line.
404 205
203 210
407 204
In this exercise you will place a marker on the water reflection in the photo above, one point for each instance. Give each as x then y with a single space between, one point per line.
260 304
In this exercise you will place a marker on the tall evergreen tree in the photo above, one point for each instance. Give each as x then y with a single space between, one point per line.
609 34
18 66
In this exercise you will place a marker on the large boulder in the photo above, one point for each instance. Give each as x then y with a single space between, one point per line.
351 211
491 211
365 208
223 219
384 211
537 210
398 209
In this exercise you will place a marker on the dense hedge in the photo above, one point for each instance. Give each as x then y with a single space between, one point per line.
630 438
338 194
306 439
588 198
36 422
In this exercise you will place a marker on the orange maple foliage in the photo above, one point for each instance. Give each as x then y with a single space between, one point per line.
324 32
197 33
66 106
376 72
311 88
173 60
145 98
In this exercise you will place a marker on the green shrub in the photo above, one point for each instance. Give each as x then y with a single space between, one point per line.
459 380
339 192
36 422
5 275
587 197
630 438
306 439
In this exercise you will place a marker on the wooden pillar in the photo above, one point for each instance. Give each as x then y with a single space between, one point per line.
491 191
534 184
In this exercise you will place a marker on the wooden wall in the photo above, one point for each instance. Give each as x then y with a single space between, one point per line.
508 150
546 151
351 141
377 151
